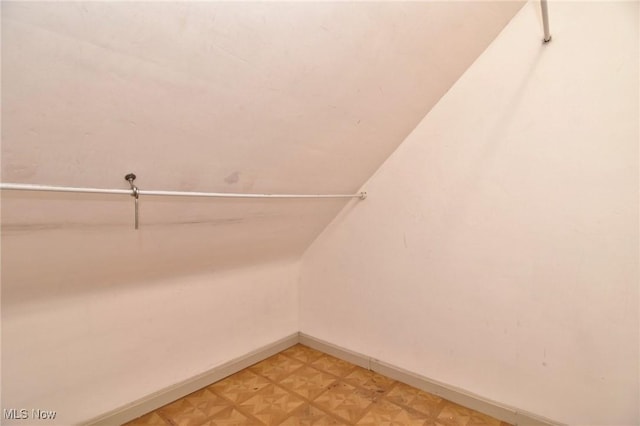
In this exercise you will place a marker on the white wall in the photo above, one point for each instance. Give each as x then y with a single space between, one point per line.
498 250
305 97
107 345
292 97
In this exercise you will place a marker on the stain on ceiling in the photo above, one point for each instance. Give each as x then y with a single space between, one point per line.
276 97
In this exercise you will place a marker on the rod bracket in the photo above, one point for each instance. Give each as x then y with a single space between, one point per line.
130 178
363 195
135 193
545 21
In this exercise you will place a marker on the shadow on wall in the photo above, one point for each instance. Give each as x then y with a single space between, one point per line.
58 245
487 147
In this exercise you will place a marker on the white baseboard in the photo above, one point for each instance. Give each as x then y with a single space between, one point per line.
164 396
460 396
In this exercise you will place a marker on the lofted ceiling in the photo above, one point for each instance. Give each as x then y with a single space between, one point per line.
307 97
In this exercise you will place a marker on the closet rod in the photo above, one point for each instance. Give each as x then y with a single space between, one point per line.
47 188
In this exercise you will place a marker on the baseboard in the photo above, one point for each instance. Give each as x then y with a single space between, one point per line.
460 396
162 397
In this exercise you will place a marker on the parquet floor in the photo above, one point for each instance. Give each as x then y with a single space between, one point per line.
301 386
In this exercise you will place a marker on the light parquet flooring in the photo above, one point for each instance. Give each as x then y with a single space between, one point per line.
303 387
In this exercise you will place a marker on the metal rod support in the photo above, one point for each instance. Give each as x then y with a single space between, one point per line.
545 20
135 219
48 188
135 193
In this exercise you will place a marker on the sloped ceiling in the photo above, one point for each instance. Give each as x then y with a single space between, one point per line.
288 97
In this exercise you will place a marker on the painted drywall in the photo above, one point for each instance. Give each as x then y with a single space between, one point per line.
275 97
498 250
86 354
271 97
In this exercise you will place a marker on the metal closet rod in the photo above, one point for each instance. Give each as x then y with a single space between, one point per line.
135 192
48 188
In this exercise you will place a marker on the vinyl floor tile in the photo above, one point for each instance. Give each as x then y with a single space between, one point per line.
271 405
386 413
207 402
479 419
369 380
240 386
454 415
333 365
230 417
308 382
183 413
303 387
308 415
277 367
411 397
302 353
345 401
151 419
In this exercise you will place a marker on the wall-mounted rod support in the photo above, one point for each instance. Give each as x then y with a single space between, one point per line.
545 21
48 188
135 193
